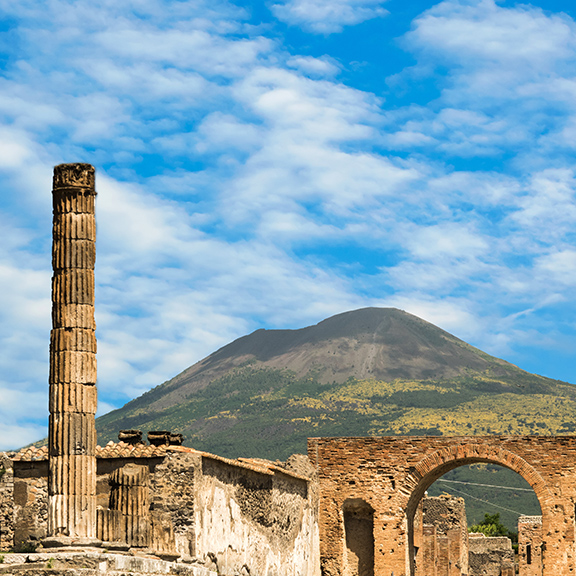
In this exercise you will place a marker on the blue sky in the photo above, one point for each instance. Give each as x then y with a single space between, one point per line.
267 164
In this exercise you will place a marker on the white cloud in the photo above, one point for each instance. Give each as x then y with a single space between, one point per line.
316 67
509 80
487 34
328 16
14 436
23 413
245 186
548 206
559 268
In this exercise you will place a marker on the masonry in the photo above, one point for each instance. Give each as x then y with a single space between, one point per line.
441 537
225 516
530 545
389 475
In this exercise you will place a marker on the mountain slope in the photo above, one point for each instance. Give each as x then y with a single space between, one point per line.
367 372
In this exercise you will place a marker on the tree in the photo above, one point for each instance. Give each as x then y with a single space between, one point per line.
490 526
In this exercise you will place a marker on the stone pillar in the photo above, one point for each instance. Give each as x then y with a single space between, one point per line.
72 432
129 496
530 545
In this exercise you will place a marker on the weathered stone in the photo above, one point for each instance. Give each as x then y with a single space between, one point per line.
73 397
72 433
130 436
6 502
441 537
530 546
77 563
491 556
159 437
175 439
391 474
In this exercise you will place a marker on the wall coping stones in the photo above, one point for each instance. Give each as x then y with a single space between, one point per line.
126 450
94 562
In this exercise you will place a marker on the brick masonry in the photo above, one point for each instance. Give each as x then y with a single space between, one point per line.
530 546
490 556
391 474
441 537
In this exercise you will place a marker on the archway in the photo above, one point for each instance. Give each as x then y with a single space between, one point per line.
439 463
392 473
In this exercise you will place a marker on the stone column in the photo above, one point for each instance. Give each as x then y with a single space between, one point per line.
72 432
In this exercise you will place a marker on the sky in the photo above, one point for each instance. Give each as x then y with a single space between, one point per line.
270 163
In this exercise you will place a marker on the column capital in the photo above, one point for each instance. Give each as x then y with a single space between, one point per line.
76 175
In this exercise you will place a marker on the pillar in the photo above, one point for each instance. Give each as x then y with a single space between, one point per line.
72 431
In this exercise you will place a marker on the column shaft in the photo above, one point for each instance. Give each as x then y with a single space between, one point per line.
72 431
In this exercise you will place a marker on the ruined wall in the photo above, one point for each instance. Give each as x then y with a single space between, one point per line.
441 537
172 496
261 521
30 503
448 515
233 516
391 474
427 560
491 556
6 502
530 546
107 466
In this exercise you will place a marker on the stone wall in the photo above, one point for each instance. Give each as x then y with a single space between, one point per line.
448 515
30 503
257 520
491 556
441 537
530 546
6 502
231 516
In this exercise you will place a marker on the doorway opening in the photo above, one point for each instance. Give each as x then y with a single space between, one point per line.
470 516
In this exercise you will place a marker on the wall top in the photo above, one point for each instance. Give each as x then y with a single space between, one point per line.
76 175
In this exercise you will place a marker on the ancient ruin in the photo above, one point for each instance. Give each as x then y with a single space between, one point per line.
490 556
530 545
441 537
352 507
390 475
72 431
177 503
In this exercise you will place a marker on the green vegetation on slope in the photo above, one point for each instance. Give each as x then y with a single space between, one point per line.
369 372
269 413
476 484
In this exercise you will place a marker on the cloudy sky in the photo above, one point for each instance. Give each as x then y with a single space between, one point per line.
269 163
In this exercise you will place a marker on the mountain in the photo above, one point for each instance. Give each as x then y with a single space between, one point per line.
374 371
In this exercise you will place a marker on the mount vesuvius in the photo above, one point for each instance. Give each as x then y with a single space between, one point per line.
374 371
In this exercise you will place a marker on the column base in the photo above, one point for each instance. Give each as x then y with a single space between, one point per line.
70 542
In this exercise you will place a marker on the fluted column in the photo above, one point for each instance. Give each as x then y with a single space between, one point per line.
72 431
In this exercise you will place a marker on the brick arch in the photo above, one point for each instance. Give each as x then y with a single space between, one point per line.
392 472
434 466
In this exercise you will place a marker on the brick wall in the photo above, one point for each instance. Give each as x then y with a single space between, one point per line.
391 475
490 556
530 545
441 537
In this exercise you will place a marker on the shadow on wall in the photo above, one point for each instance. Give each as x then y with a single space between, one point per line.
359 531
